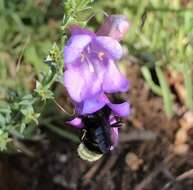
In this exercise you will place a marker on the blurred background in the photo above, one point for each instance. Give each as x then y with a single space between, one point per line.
38 150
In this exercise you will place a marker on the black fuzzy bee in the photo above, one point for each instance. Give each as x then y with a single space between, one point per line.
96 139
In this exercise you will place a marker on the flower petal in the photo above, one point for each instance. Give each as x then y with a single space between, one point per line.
74 84
112 119
116 26
110 45
114 81
79 82
76 122
121 110
77 30
74 48
91 105
114 137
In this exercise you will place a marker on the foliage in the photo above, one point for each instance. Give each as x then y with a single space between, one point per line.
160 36
22 98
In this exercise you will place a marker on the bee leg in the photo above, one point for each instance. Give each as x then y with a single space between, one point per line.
84 131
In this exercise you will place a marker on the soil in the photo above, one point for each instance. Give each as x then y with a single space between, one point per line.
154 152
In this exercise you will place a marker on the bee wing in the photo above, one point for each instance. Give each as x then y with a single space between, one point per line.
116 26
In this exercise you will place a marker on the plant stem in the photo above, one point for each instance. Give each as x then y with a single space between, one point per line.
63 133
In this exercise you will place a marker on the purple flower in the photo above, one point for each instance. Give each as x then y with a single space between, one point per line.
116 26
91 71
90 67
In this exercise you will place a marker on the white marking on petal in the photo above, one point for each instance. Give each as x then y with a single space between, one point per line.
90 65
101 55
82 57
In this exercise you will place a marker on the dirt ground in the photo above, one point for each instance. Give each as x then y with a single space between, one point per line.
154 153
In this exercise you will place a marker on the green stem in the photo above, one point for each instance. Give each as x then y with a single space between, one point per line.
188 83
159 9
167 96
147 75
166 9
63 133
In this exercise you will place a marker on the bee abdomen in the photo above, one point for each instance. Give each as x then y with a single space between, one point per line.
102 140
87 154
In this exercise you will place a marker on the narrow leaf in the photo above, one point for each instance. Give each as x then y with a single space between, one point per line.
167 96
188 84
147 75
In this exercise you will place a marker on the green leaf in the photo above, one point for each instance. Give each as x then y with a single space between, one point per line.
30 116
31 55
188 82
167 96
4 140
147 75
2 5
43 91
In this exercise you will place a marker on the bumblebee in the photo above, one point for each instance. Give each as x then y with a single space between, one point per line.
96 135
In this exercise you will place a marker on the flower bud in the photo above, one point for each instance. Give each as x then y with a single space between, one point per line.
116 26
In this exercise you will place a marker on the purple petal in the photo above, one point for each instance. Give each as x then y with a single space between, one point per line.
100 68
112 119
74 84
111 46
114 137
116 26
77 30
76 122
91 105
79 82
74 48
121 110
114 81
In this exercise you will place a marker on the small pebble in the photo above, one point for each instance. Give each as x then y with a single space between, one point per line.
133 161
